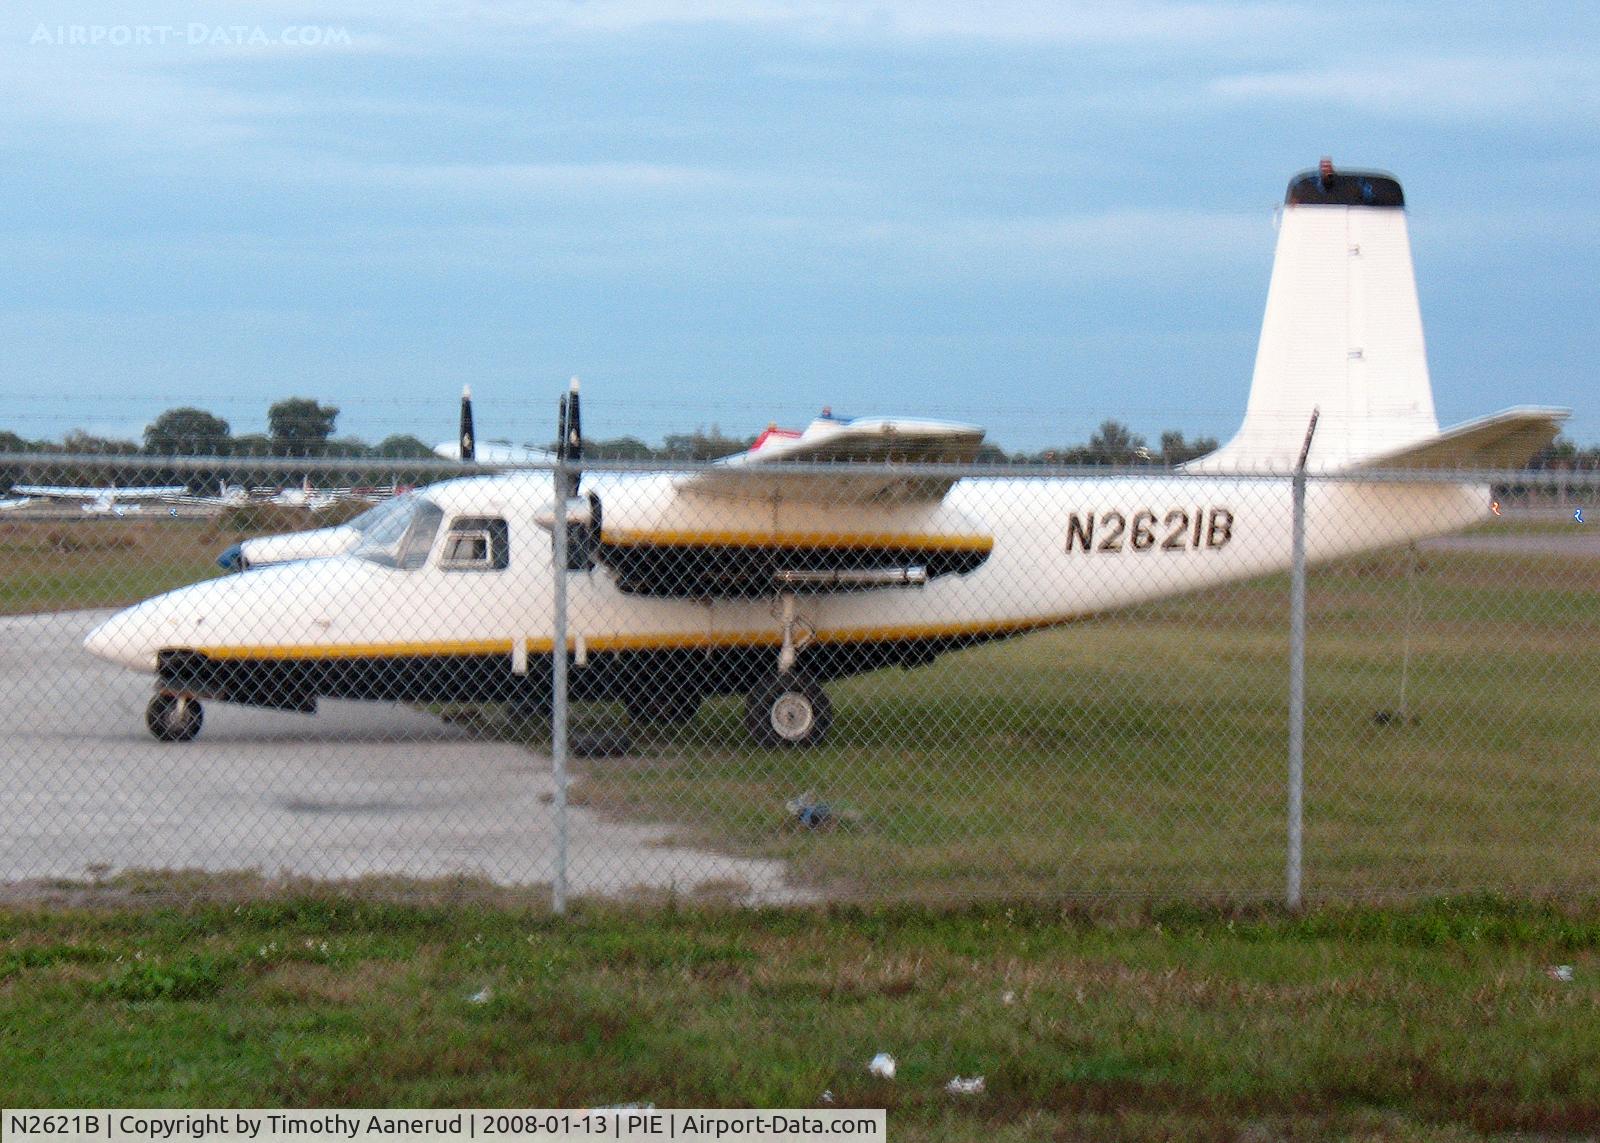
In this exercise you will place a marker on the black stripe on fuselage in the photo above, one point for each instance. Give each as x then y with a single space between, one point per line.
296 684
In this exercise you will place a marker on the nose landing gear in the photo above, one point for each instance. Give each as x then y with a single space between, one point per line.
174 717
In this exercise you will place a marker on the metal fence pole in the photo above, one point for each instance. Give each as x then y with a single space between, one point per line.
1297 675
1297 692
558 686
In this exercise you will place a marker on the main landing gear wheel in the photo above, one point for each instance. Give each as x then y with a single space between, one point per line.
789 710
174 718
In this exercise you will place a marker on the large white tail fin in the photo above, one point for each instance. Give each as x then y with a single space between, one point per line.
1342 332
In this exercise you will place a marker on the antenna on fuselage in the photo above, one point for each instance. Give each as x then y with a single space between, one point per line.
468 445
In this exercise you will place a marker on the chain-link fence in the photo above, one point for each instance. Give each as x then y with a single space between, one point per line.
793 683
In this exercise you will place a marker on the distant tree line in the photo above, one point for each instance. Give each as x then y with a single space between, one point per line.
300 427
296 427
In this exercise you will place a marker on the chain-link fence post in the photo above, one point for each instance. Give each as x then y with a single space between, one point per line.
558 683
1297 674
1297 691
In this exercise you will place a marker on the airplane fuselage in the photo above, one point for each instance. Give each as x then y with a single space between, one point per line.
1052 550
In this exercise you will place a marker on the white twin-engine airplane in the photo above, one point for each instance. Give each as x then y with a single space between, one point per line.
761 577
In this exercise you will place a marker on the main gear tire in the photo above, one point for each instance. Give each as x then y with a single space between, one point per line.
788 710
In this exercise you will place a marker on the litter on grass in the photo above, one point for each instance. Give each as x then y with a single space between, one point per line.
808 811
962 1086
882 1066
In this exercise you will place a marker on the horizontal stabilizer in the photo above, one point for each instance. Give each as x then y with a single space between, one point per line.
1507 439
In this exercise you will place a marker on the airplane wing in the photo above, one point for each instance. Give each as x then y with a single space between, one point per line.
1506 439
774 519
769 471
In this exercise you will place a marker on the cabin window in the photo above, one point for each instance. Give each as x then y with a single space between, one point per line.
476 543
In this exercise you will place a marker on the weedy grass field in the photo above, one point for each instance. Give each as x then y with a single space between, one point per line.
1450 740
1138 755
58 563
1430 1021
65 565
1450 746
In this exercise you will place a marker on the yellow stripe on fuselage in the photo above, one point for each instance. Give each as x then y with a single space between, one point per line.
664 641
361 650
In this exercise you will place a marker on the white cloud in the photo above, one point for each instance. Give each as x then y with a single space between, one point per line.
1426 87
1112 243
136 100
513 178
1094 21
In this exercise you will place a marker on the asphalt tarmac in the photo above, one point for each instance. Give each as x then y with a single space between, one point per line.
1583 542
359 788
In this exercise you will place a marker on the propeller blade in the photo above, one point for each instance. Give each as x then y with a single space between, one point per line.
561 428
574 425
468 443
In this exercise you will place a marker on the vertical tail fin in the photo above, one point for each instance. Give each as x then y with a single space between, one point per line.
1342 331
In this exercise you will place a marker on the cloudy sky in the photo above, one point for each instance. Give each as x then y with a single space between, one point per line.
1031 215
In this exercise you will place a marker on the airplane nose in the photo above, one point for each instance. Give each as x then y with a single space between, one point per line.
232 560
119 640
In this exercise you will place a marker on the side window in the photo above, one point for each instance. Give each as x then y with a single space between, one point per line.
476 543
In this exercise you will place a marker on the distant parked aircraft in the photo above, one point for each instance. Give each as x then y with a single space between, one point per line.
100 501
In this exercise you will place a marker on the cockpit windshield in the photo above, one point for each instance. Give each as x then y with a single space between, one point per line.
372 515
399 534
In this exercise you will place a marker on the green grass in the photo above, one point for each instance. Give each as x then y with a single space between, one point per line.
48 565
1145 752
67 564
1437 1020
1137 753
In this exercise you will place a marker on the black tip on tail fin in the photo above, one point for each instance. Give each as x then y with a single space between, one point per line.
1325 186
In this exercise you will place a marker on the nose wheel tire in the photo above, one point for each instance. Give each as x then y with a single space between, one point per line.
174 718
789 710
